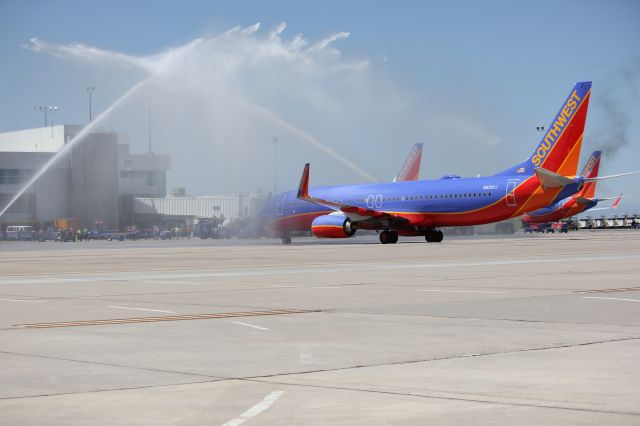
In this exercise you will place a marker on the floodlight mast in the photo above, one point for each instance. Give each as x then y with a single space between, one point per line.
46 110
90 90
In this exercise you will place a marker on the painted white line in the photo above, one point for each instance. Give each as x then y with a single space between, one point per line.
256 409
466 291
274 270
171 282
23 300
610 298
249 325
142 309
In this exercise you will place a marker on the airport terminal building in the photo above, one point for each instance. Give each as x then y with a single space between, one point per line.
95 182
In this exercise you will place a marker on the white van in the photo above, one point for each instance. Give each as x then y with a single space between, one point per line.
20 232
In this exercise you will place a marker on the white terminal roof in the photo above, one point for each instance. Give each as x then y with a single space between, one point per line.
41 139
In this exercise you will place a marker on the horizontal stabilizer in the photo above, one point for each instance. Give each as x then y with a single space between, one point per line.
593 179
583 200
549 179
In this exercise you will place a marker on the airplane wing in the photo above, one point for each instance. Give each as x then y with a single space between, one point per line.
593 179
583 200
303 194
411 167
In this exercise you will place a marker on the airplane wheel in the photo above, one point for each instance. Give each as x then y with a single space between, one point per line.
286 239
433 236
388 237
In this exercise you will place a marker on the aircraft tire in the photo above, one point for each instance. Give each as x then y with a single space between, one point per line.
394 237
386 237
433 236
286 238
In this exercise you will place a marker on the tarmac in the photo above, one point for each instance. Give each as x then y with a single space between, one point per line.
535 329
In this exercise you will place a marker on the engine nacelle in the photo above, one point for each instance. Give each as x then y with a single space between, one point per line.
332 226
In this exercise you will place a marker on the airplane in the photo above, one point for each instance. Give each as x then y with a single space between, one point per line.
281 216
576 203
419 208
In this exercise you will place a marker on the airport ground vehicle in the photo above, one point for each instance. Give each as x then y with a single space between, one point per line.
49 235
20 233
562 227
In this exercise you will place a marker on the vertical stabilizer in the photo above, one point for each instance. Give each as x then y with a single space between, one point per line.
590 170
411 168
559 149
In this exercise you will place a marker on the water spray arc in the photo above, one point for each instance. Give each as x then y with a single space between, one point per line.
73 142
206 66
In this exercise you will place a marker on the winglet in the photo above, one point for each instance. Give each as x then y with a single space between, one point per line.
615 204
549 179
303 189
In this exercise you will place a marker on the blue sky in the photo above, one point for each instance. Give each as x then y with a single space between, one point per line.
505 64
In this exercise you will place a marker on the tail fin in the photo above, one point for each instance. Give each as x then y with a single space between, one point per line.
559 149
590 170
411 167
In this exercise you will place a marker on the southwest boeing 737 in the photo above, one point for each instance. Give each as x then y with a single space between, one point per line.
419 208
577 203
281 214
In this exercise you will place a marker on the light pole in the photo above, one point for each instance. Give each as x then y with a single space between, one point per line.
149 125
46 110
275 166
90 90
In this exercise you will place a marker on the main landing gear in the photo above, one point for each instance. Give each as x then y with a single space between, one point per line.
286 238
433 236
388 237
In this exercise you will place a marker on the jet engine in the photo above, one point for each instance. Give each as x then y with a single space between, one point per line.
332 226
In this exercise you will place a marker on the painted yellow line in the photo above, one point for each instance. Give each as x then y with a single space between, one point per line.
167 318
